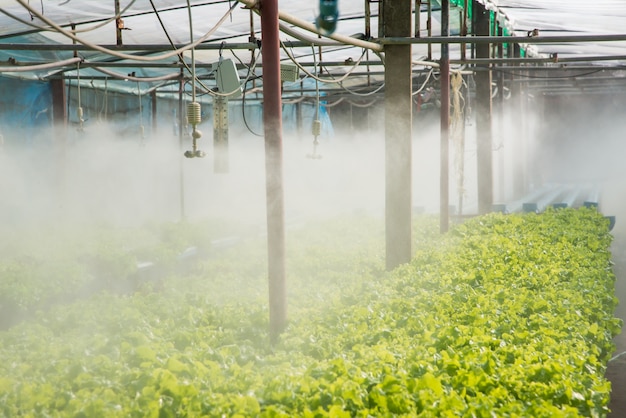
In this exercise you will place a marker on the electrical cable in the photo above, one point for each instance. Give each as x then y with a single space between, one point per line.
248 77
617 356
243 111
416 92
335 103
180 56
167 35
363 105
294 101
128 56
379 88
315 77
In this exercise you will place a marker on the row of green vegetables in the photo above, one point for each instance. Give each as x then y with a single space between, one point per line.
506 315
48 263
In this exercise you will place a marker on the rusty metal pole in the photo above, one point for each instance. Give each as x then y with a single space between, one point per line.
398 124
272 120
484 156
444 167
118 24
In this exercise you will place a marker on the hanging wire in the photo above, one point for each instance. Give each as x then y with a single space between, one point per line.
316 127
314 76
194 110
79 110
141 127
105 101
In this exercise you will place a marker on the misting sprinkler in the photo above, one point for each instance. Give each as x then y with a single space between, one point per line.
194 117
317 129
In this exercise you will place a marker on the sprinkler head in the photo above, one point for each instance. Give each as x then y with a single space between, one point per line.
195 154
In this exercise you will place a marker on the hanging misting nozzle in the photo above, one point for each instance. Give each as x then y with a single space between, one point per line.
316 129
194 117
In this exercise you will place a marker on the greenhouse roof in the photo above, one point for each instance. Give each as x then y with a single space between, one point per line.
218 22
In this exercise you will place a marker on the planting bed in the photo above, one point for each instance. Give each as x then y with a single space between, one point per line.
509 315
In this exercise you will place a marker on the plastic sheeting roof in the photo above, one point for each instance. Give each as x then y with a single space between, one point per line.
95 24
565 18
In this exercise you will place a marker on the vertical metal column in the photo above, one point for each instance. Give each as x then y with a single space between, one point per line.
517 99
444 167
118 24
418 21
272 120
484 155
398 123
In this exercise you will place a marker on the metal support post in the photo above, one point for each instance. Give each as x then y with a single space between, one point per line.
484 140
272 120
398 123
444 171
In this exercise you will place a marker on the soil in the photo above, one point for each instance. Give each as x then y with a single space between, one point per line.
616 370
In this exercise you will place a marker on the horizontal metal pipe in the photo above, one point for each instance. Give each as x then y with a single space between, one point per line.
502 39
149 47
122 48
547 60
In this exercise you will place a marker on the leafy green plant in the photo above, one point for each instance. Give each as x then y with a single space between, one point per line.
505 315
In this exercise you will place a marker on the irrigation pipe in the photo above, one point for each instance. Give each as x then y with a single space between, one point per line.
618 356
47 66
122 55
302 24
132 78
304 38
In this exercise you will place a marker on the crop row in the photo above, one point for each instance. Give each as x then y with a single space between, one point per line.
509 315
